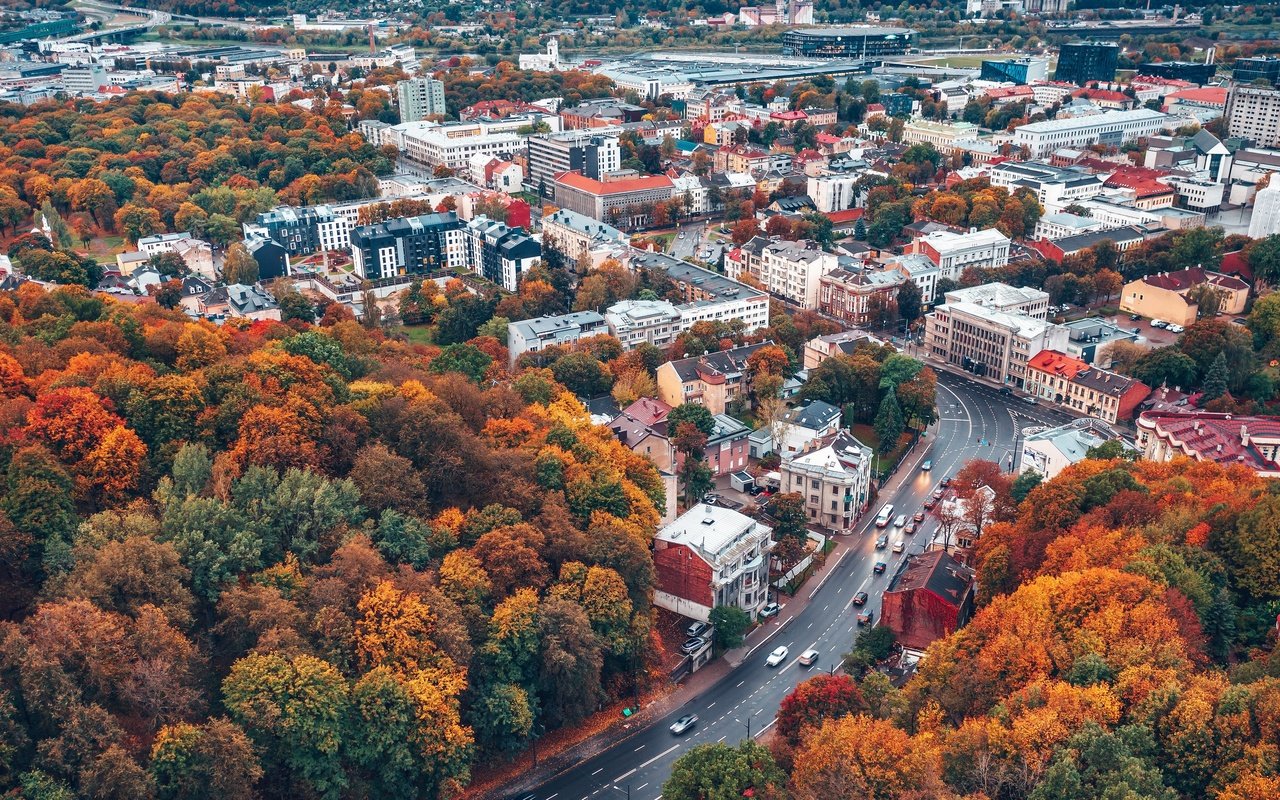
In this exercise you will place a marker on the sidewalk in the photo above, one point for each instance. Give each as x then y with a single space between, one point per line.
654 710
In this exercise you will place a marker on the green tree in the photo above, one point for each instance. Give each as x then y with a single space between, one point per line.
889 424
582 374
1096 763
1215 380
724 772
909 301
1252 549
466 359
1024 483
730 624
212 761
294 709
1108 451
694 413
1166 366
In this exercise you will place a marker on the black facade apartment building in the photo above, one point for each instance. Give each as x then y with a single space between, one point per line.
1082 62
406 245
861 41
1248 70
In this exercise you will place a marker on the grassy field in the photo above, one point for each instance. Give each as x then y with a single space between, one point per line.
103 249
973 61
417 334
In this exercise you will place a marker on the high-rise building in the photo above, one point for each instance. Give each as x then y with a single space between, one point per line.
420 98
1248 70
1266 213
592 154
1082 62
1253 113
1192 71
1020 71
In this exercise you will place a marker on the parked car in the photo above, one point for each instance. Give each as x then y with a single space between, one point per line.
930 502
1158 323
1135 317
945 482
937 494
682 725
1172 328
882 542
710 498
1029 400
927 465
770 610
899 546
681 234
1006 391
860 599
880 568
696 628
693 645
775 658
808 658
865 617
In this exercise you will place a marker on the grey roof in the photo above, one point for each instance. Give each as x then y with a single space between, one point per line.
724 362
813 414
1075 438
705 281
1205 141
249 299
541 327
1082 241
854 31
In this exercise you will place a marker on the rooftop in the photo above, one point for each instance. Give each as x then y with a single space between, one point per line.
711 530
541 327
585 225
813 414
839 452
576 180
1185 279
936 572
1074 439
945 241
854 31
996 294
1109 118
1222 438
1018 324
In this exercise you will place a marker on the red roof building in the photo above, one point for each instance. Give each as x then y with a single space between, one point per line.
929 599
648 410
620 202
1106 98
1207 97
1071 383
1227 439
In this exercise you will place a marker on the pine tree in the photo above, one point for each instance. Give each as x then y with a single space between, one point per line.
889 423
1215 380
860 230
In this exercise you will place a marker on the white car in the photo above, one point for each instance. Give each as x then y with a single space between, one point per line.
808 657
1172 328
1158 323
776 657
898 546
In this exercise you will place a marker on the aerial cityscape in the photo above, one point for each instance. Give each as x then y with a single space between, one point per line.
586 400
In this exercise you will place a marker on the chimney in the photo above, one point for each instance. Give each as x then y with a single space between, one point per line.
1244 435
1196 426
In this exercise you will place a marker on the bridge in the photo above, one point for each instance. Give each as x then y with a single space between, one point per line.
148 19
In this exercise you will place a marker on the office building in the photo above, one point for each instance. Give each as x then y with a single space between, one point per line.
420 98
88 79
1253 113
536 335
705 296
500 253
834 478
1059 379
409 245
956 252
1048 451
793 270
989 343
1003 297
1190 71
862 41
1061 225
1082 62
1054 187
1021 71
1112 128
619 199
944 136
1266 213
1252 442
592 154
711 556
1247 70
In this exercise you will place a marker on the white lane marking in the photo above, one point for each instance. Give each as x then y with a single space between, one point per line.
597 772
624 776
669 750
744 680
768 725
713 705
638 749
641 786
722 738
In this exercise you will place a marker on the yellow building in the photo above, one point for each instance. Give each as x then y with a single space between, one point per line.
1164 296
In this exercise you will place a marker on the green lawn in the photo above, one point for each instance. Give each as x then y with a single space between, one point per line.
867 435
418 334
104 248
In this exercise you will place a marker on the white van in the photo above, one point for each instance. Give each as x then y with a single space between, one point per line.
884 516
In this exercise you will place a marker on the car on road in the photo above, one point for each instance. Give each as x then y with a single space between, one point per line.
865 617
682 725
770 610
775 658
919 516
808 658
930 502
910 529
945 482
927 465
696 628
1029 400
900 521
681 234
1006 391
899 546
860 599
1158 323
882 542
880 568
693 645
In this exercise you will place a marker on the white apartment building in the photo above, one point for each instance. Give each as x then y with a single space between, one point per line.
1005 298
452 145
942 135
1253 112
1110 128
1266 213
636 322
709 296
793 270
534 335
834 478
1061 225
1055 187
1048 451
989 343
955 252
833 192
161 243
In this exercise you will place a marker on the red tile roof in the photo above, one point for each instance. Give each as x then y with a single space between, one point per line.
576 180
1215 95
846 216
1055 363
1104 94
1222 438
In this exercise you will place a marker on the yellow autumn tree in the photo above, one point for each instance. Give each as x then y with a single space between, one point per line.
394 630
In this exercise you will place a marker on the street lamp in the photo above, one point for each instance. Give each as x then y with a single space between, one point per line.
748 723
627 790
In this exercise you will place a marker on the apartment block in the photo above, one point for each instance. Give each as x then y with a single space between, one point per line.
420 98
593 154
834 478
794 270
956 252
409 245
1253 113
712 556
1110 128
535 335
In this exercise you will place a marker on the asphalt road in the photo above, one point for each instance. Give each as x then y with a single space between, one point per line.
691 244
976 422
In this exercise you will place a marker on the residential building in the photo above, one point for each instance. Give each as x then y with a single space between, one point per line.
706 296
1266 213
1122 238
898 104
594 154
618 200
1015 70
1167 295
536 335
1088 337
648 439
726 450
801 425
305 230
500 253
712 556
1062 225
272 257
409 245
833 477
451 145
1002 297
606 113
1048 451
1058 378
833 192
1253 113
1082 62
850 295
921 271
1110 128
715 380
862 41
820 348
929 597
1055 187
241 302
572 236
989 343
793 270
944 136
161 243
956 252
1250 442
420 98
197 255
636 322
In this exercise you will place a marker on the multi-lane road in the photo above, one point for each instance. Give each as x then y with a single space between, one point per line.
976 422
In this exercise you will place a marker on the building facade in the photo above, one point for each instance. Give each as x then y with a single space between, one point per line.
863 41
1251 442
956 252
713 380
1048 451
1167 295
535 335
571 236
1021 70
409 245
420 98
1082 62
834 478
853 297
637 322
621 201
1058 378
794 270
1026 301
1112 128
712 556
500 253
593 154
989 343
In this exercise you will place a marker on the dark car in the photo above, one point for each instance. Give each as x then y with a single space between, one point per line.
879 568
1006 391
1135 317
860 599
755 489
865 617
930 502
945 482
882 542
